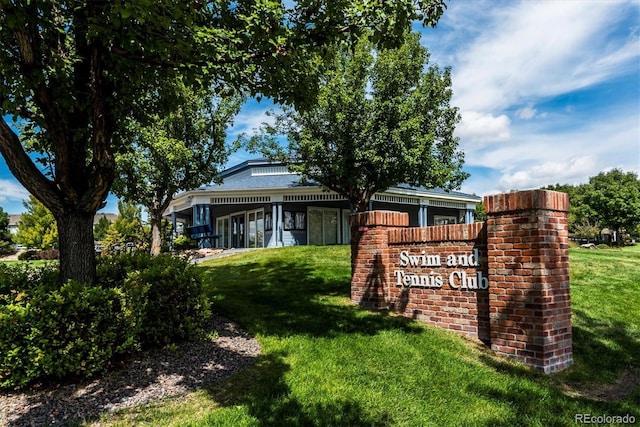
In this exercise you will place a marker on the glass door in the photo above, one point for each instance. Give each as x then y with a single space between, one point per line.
223 231
256 229
314 216
237 231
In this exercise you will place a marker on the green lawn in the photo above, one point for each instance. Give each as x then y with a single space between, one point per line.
326 362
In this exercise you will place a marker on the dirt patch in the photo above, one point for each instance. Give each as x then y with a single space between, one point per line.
620 390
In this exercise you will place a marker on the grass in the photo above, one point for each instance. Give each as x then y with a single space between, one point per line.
326 362
34 263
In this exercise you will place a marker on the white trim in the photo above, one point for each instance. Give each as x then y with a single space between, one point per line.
239 200
446 204
395 199
271 170
312 197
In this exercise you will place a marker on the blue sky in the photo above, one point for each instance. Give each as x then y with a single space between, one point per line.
548 90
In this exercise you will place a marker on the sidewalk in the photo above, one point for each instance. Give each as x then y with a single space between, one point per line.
226 252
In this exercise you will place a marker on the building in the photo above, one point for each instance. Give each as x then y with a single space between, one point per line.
262 204
14 218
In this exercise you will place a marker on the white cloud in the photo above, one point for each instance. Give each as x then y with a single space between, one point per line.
550 172
12 190
526 113
251 118
478 127
540 49
535 157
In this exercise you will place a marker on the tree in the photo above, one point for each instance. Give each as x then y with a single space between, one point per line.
37 227
180 151
127 228
73 71
101 228
6 242
480 213
614 198
379 120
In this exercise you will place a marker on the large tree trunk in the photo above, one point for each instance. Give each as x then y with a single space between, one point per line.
77 251
156 235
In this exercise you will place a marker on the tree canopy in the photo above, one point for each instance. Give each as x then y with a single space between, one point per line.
73 71
37 227
380 120
179 151
610 199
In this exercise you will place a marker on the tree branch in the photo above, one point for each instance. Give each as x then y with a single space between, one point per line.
25 171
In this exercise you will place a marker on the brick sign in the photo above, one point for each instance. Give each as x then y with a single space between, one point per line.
504 281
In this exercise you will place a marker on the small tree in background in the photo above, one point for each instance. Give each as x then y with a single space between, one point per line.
179 151
37 227
126 228
614 198
101 228
6 242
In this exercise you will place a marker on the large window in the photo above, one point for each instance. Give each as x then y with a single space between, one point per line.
223 231
256 229
323 226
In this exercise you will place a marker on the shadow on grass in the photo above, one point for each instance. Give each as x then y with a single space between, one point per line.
534 401
603 349
263 390
282 298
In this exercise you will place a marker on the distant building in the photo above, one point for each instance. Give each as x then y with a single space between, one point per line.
14 218
261 204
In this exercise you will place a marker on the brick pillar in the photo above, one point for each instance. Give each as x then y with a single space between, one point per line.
530 308
370 256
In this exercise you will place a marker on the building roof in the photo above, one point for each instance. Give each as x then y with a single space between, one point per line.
241 177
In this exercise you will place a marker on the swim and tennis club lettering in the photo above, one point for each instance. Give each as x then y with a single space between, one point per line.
456 279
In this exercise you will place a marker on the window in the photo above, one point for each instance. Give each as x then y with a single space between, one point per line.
444 220
294 220
323 226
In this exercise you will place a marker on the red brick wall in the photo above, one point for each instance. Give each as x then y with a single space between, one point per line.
522 253
528 244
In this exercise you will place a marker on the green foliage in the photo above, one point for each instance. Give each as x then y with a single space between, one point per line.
44 254
53 331
47 331
480 214
610 199
586 230
167 300
614 198
382 118
37 226
164 295
6 241
73 73
126 228
178 151
183 242
101 228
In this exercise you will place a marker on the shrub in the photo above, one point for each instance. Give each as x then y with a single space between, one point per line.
76 329
164 296
29 255
53 331
184 242
49 254
603 246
